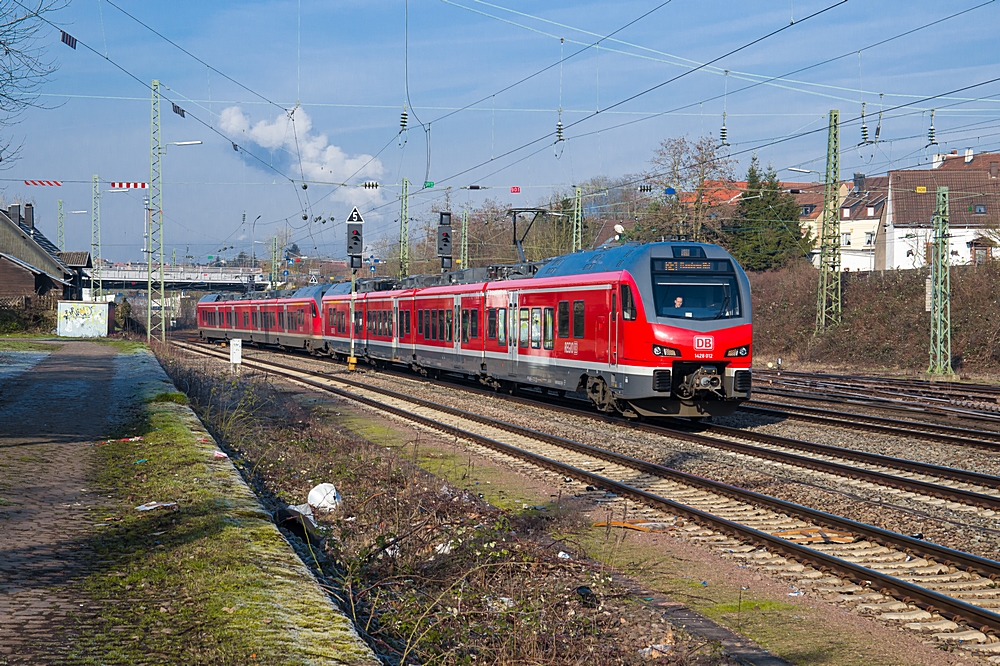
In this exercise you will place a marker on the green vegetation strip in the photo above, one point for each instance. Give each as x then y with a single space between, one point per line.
210 580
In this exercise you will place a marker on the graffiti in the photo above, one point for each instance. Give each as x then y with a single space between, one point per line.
83 320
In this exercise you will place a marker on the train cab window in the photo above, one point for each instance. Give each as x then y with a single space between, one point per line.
523 327
578 311
502 327
696 290
448 324
474 323
563 319
536 328
548 341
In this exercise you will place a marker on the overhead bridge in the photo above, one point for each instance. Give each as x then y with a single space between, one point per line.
208 278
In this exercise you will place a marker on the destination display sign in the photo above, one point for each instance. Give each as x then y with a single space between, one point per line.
694 265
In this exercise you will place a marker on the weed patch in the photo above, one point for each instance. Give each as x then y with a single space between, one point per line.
427 571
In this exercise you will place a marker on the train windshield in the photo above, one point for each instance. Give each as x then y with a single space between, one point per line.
696 296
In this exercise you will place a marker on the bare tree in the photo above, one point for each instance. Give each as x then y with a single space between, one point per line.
700 173
23 63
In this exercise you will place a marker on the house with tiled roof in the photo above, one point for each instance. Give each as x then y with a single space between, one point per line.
31 265
907 231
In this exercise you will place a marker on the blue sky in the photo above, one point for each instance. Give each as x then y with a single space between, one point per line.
343 63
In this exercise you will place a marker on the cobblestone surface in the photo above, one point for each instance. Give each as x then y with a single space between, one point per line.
48 417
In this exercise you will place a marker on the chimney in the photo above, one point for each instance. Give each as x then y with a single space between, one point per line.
859 182
14 213
954 152
968 155
29 215
994 167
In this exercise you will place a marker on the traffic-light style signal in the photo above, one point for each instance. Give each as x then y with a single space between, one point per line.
444 217
444 240
355 240
645 188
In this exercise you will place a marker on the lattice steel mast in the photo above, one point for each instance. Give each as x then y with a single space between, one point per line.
60 226
274 262
828 311
96 288
577 219
404 229
155 323
464 254
940 351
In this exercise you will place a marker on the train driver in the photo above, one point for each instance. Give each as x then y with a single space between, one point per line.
679 302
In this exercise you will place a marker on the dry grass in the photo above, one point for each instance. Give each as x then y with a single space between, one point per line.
429 573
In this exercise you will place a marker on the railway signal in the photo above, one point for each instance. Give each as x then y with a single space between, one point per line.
355 237
444 239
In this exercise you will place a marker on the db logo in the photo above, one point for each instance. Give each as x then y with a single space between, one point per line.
704 343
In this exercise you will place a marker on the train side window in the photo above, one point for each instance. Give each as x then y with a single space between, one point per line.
474 323
406 320
614 307
502 327
390 320
523 326
548 341
448 324
536 328
491 324
434 325
465 325
563 319
246 317
420 323
578 310
399 321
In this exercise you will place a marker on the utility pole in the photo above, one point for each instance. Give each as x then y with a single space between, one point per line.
464 254
828 311
96 288
404 230
60 226
577 219
155 324
940 351
274 261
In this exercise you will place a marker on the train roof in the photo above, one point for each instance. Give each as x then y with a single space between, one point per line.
623 257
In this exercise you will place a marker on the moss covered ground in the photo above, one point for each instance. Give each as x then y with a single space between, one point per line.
208 581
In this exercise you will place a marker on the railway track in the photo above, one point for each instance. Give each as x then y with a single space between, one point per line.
985 439
930 587
957 401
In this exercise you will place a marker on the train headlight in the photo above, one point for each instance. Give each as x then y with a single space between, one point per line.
737 352
665 351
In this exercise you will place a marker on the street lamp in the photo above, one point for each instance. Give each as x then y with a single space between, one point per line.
253 243
798 170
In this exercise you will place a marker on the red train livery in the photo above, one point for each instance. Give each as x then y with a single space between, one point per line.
653 329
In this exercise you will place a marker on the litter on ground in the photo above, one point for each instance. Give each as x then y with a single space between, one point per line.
149 506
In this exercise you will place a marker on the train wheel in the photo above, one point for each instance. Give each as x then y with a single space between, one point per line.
603 399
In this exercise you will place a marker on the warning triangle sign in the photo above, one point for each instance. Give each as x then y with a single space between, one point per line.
355 216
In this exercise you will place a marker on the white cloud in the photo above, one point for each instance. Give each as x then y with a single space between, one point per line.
321 160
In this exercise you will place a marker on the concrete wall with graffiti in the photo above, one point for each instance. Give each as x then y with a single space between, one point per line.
85 320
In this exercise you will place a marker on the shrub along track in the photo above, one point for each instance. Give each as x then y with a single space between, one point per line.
935 588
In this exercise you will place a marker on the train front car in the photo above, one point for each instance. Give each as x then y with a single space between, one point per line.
682 329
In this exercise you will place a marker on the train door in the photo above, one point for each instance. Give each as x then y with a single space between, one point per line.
394 328
512 333
456 331
614 330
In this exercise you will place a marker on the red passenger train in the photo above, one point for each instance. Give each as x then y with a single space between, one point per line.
659 329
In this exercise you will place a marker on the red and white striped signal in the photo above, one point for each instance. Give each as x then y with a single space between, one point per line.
129 186
44 183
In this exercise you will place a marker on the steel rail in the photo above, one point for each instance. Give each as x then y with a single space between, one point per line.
941 388
929 431
908 592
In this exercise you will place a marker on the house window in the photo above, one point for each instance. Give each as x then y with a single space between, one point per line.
980 209
845 213
845 239
869 238
808 210
871 211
